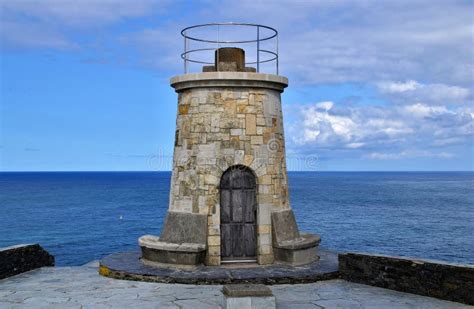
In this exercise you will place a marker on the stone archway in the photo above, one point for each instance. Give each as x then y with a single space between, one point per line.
238 214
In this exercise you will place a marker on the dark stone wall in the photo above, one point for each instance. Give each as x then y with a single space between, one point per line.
18 259
424 277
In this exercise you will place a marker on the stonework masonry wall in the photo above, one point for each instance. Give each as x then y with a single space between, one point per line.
453 282
219 127
21 258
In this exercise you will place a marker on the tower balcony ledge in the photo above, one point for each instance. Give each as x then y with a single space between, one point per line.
229 79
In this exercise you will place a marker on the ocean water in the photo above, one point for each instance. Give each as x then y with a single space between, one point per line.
80 217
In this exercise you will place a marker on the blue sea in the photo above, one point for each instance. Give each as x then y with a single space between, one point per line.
82 216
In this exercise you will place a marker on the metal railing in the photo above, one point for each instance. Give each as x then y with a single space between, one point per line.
271 33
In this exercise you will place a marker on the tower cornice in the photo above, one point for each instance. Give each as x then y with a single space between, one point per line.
229 79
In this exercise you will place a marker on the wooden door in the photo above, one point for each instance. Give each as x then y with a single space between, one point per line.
238 200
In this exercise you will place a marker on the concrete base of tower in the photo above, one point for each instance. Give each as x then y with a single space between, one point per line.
182 241
297 257
289 245
131 266
154 250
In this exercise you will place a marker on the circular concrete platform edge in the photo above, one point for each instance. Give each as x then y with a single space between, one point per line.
127 266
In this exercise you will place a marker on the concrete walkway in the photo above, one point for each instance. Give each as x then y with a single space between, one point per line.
82 287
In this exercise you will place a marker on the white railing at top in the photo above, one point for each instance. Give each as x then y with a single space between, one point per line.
272 34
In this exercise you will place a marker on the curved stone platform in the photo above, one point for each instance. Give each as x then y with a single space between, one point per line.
128 266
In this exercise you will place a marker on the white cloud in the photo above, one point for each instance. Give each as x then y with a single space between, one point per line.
325 127
320 41
322 127
409 154
383 132
366 41
355 145
82 13
59 24
30 35
397 87
327 105
151 42
421 110
407 92
420 59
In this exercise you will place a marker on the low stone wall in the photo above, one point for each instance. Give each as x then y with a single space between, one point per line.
20 258
424 277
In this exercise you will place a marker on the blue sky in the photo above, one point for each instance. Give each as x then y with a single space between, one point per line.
374 85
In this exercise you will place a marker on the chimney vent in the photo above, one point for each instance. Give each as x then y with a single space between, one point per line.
228 59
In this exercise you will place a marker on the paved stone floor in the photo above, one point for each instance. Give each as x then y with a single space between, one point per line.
82 287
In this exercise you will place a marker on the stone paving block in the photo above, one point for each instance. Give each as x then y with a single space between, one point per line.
249 302
253 296
244 290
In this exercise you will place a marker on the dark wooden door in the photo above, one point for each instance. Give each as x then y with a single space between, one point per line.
238 200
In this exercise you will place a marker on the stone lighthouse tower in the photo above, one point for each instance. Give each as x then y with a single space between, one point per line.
229 189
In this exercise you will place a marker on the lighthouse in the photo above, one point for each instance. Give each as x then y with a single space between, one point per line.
229 199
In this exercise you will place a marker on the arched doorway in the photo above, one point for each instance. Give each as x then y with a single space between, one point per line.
238 207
